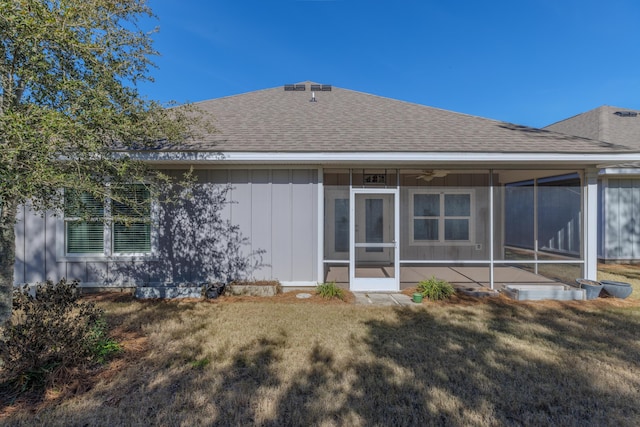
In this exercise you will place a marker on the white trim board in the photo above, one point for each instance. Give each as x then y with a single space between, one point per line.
602 160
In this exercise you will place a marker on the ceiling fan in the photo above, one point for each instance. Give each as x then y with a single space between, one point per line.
428 175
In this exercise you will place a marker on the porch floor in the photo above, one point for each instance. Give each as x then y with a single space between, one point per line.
468 277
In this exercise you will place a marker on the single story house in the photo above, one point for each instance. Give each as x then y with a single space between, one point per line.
308 183
619 185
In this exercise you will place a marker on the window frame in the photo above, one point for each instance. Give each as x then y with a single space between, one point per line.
112 224
108 236
442 217
99 219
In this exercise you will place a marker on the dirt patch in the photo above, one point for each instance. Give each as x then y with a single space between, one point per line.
69 383
288 298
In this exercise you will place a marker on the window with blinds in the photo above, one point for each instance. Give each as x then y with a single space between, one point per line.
129 221
132 220
84 223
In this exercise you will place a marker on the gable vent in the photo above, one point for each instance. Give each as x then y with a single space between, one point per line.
300 88
321 88
626 113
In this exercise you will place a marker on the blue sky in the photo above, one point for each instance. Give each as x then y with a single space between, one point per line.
530 62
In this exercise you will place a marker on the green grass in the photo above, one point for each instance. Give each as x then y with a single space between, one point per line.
495 362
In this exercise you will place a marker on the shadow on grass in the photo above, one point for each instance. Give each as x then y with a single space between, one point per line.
492 364
504 371
507 373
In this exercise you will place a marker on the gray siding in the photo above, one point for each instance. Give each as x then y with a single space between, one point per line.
249 223
621 219
35 247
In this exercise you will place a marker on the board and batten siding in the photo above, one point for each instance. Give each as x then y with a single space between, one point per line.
275 211
35 256
279 209
620 222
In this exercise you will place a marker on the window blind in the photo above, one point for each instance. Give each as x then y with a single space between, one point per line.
133 233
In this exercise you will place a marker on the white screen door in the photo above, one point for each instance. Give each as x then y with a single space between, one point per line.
374 257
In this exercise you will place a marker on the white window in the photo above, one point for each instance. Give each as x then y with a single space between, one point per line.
441 216
83 236
110 227
132 227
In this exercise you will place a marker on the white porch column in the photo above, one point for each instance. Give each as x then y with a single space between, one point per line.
590 233
320 266
491 232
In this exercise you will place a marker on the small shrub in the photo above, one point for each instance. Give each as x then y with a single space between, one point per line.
435 289
330 290
51 332
100 344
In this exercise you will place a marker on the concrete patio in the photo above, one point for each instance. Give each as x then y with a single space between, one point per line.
459 277
383 299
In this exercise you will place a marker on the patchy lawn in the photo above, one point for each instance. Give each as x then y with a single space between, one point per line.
266 362
622 273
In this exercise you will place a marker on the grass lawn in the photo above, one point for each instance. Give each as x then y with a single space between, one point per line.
244 361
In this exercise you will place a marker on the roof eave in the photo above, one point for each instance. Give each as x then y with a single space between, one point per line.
385 158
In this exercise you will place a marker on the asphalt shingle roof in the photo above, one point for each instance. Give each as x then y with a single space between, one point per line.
606 123
341 120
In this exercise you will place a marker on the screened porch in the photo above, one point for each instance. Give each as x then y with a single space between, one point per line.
387 229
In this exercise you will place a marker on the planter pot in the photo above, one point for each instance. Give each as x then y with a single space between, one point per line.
417 297
214 290
592 291
617 289
591 287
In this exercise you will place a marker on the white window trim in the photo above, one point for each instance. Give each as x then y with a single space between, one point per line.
441 241
108 254
330 196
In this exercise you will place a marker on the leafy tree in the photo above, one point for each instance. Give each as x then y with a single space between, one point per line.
69 71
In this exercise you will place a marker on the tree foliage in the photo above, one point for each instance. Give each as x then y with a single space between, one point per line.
68 100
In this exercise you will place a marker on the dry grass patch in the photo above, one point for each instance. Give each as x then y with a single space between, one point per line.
622 273
263 362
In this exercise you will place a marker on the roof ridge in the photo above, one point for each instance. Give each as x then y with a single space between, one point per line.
603 123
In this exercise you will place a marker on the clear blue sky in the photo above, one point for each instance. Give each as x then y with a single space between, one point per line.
530 62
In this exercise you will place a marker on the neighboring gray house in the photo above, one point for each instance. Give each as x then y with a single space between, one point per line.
619 185
308 183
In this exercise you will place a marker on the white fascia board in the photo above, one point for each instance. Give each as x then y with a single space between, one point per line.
627 171
324 158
